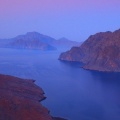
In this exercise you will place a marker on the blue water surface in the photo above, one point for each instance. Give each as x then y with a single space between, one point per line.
71 91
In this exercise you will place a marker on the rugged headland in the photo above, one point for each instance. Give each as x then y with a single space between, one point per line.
99 52
20 100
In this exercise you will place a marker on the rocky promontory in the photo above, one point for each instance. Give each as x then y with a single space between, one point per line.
99 52
20 100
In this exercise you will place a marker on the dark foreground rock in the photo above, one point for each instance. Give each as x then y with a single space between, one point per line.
20 100
99 52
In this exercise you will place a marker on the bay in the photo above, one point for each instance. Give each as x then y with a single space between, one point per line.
71 91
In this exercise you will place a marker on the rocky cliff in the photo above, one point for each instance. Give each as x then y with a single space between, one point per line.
99 52
20 100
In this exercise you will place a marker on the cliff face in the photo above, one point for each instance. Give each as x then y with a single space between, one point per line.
99 52
19 100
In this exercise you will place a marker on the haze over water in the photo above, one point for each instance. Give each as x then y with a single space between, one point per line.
71 91
74 19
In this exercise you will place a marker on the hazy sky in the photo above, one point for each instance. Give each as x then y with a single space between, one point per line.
74 19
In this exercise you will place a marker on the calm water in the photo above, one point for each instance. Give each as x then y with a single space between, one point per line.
71 92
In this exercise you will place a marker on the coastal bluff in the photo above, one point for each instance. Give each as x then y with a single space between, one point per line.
20 100
100 52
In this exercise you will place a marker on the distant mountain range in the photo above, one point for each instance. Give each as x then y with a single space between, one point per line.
35 40
99 52
64 43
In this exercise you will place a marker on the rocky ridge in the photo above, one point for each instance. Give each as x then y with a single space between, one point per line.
99 52
35 40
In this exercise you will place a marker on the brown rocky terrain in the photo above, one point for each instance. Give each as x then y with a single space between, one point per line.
20 100
99 52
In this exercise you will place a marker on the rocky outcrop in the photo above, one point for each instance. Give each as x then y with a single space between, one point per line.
19 100
99 52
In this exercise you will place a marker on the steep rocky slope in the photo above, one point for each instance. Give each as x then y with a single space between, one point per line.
99 52
19 100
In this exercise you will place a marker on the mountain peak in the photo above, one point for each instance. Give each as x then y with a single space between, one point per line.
33 32
36 40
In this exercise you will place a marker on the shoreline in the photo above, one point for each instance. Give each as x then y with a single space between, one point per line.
20 100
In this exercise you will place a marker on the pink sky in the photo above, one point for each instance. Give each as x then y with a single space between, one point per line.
12 7
74 19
